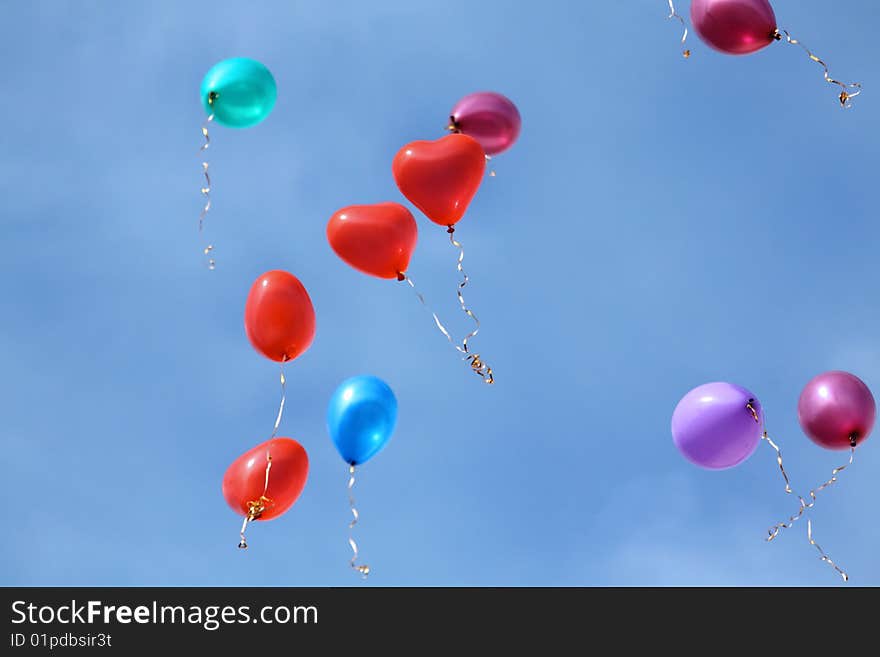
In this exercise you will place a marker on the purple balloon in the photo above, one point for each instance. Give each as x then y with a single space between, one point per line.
713 427
490 118
836 410
735 27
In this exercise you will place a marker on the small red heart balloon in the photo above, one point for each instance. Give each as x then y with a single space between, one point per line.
375 239
440 177
244 484
278 316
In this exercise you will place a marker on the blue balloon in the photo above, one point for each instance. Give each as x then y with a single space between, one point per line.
361 418
239 92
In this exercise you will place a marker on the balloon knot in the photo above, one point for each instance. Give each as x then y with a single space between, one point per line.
450 230
401 276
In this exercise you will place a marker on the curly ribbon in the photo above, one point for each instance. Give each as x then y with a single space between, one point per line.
674 14
773 532
822 554
476 363
363 569
473 359
846 95
804 506
206 188
256 507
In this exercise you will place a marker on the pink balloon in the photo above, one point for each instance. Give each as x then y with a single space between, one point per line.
488 117
836 410
735 27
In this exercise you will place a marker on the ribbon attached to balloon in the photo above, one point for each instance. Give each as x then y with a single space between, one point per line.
279 321
718 426
741 27
361 417
773 532
237 93
379 240
251 492
836 410
441 178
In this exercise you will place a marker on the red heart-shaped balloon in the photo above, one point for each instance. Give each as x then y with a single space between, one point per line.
245 484
375 239
279 319
440 177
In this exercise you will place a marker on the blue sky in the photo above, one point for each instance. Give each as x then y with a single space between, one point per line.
661 223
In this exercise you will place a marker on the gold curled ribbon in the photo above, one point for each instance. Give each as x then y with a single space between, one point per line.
674 14
845 95
822 554
804 505
206 188
773 532
476 363
256 507
363 569
473 359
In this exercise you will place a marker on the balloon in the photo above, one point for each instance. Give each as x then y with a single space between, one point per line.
440 177
375 239
735 27
244 484
278 316
239 92
713 427
488 117
361 418
836 410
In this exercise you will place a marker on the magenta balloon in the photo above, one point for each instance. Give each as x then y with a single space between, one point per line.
713 427
490 118
735 27
836 408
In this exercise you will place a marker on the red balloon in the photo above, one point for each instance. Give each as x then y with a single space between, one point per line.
244 484
440 177
278 316
376 239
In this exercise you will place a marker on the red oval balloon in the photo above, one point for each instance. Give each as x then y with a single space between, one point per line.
374 239
278 316
245 480
440 177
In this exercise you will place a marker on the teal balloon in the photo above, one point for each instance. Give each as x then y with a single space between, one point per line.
239 92
361 418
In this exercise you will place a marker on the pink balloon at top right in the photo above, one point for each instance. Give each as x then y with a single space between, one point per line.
490 118
836 410
734 27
